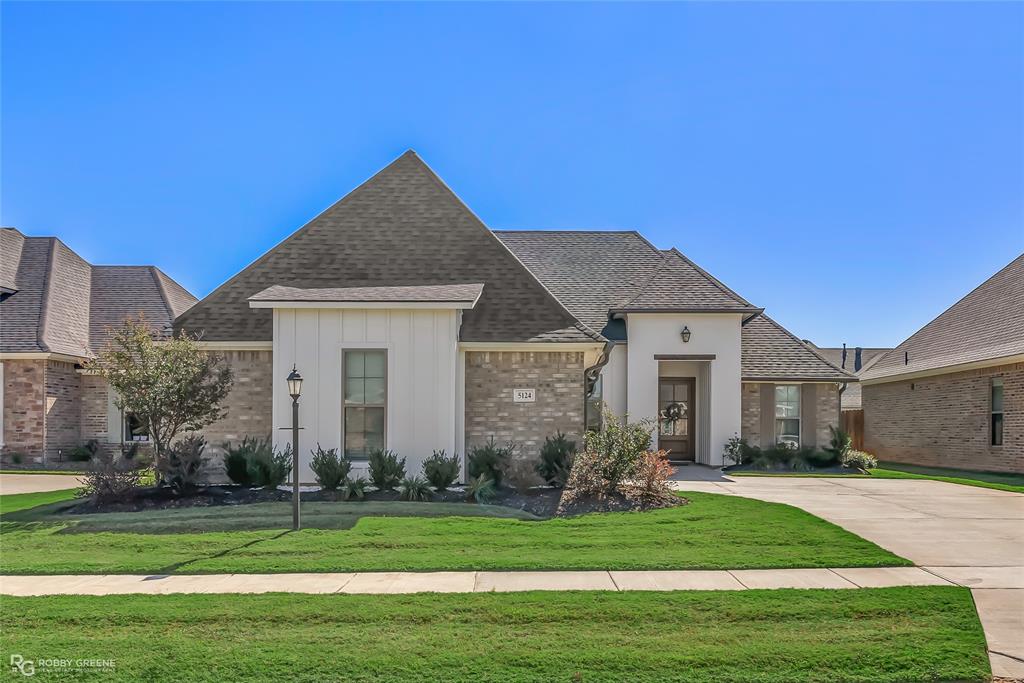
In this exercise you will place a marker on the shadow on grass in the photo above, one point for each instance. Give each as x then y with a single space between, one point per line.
172 568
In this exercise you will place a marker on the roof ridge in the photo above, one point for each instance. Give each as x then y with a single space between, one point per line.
569 231
164 296
44 301
714 280
641 287
809 347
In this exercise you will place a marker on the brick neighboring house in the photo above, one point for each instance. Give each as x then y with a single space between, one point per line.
55 311
416 327
952 395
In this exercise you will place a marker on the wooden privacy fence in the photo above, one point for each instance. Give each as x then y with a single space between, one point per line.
853 424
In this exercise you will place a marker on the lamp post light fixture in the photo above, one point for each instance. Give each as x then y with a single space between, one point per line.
685 334
295 390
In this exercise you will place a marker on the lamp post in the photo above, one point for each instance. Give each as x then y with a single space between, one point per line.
294 390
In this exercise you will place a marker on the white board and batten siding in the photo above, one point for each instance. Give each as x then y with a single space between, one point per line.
422 374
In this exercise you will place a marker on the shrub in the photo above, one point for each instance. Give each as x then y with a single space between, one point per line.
268 468
414 489
109 479
556 459
237 458
489 461
859 460
734 449
481 490
653 476
839 445
619 447
386 469
586 479
521 474
85 452
821 459
17 458
354 488
440 470
330 468
182 463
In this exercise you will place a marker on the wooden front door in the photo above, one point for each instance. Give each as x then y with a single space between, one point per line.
677 417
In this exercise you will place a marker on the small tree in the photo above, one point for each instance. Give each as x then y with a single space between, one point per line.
169 384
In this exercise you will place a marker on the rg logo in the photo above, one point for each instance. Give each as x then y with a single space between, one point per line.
26 667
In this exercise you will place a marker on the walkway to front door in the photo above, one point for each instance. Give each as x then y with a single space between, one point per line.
677 417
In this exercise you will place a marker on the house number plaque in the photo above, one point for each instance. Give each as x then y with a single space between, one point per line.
524 395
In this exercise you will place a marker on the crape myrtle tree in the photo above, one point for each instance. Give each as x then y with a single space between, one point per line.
167 382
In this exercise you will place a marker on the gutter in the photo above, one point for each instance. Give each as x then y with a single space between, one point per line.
591 374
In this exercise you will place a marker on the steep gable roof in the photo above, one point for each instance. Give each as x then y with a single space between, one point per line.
679 284
770 352
402 227
62 304
985 325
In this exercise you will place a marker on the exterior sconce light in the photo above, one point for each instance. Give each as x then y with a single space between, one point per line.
685 334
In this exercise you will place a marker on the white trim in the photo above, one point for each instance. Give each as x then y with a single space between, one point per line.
947 369
401 305
42 355
530 346
794 381
236 345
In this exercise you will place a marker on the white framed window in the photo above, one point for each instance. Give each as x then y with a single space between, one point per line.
134 428
365 386
787 414
997 411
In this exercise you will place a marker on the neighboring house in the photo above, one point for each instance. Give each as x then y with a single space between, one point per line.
856 360
417 328
952 395
55 313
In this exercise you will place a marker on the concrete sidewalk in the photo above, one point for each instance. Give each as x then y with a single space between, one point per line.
981 578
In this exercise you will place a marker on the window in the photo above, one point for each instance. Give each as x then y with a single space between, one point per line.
365 384
787 414
594 404
134 428
997 411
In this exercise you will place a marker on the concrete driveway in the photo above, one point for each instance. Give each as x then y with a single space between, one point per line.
969 535
37 483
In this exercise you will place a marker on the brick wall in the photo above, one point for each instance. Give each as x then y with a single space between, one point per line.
750 401
249 405
63 427
557 378
826 412
944 421
24 407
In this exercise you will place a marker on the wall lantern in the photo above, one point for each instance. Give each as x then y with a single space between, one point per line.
685 334
294 383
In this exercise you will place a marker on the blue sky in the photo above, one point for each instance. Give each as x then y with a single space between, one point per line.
853 168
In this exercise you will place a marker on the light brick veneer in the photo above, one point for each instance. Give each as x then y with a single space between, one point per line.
24 407
827 398
249 405
750 421
490 410
63 388
944 421
826 412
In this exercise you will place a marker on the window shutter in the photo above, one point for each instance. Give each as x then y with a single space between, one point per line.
767 415
809 415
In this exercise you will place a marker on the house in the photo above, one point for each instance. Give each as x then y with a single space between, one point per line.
56 311
952 394
415 327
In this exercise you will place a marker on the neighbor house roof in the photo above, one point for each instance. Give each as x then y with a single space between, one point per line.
402 227
595 273
54 301
984 326
851 399
450 294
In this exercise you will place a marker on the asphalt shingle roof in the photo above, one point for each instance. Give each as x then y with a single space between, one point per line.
62 304
770 352
851 398
986 324
424 294
402 227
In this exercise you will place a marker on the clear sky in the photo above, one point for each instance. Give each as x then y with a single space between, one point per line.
853 168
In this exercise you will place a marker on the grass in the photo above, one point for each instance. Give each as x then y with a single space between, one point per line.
783 636
890 470
711 532
26 501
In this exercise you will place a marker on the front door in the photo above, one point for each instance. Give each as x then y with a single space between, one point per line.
676 417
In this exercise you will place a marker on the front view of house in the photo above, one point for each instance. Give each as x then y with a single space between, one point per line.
416 328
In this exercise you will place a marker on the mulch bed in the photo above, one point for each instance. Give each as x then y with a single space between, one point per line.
627 499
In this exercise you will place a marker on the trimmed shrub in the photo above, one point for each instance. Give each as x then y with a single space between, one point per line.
85 452
653 476
330 468
556 459
521 474
440 470
182 463
734 449
618 448
268 468
386 469
859 460
354 489
110 479
237 458
414 489
821 459
489 461
481 490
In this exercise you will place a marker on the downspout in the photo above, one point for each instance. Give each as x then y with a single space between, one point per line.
591 374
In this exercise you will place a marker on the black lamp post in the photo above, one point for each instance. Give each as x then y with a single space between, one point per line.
294 390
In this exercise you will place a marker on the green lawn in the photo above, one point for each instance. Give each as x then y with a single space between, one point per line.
783 636
890 470
25 501
711 532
